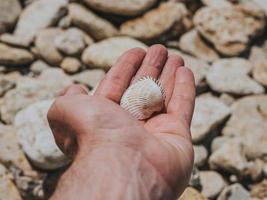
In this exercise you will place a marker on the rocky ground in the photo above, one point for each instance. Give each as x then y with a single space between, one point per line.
46 45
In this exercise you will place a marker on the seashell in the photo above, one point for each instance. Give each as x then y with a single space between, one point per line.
143 98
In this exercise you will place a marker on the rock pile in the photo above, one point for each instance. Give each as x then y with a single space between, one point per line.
46 45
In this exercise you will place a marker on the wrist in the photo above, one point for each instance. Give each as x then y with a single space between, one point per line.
115 172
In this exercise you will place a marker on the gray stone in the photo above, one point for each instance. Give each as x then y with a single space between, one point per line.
121 7
209 112
11 56
45 44
230 30
192 43
232 76
104 55
35 17
234 192
36 138
155 22
212 183
95 26
30 90
9 12
8 190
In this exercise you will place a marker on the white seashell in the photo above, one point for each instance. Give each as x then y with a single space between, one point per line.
143 98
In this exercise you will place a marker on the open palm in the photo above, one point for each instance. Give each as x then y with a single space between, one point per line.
164 140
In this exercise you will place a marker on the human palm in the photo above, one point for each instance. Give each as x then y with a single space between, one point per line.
81 122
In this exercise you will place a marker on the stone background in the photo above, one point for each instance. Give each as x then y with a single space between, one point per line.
46 45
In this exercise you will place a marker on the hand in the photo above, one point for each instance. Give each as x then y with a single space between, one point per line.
98 133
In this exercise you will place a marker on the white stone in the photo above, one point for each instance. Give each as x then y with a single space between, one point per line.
155 22
36 138
200 155
212 183
232 76
104 55
121 7
209 112
8 190
234 192
35 17
95 26
193 44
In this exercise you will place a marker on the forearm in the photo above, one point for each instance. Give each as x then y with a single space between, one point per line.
112 173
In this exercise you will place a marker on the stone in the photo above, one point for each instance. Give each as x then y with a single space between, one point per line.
121 7
231 75
193 44
230 30
90 78
11 56
227 99
104 55
209 112
212 183
155 22
249 116
200 155
71 42
259 190
92 24
71 65
30 90
36 137
65 22
195 179
234 192
5 85
45 44
35 17
10 150
217 3
258 58
8 190
191 194
218 142
230 157
199 68
39 66
9 12
262 4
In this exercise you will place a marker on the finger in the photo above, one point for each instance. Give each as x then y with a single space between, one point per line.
73 90
167 76
120 75
183 98
153 63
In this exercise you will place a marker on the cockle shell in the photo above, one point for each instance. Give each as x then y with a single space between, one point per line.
143 98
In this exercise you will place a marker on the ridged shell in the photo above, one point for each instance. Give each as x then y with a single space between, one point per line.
143 98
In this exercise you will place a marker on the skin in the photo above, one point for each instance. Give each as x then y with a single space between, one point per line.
115 156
